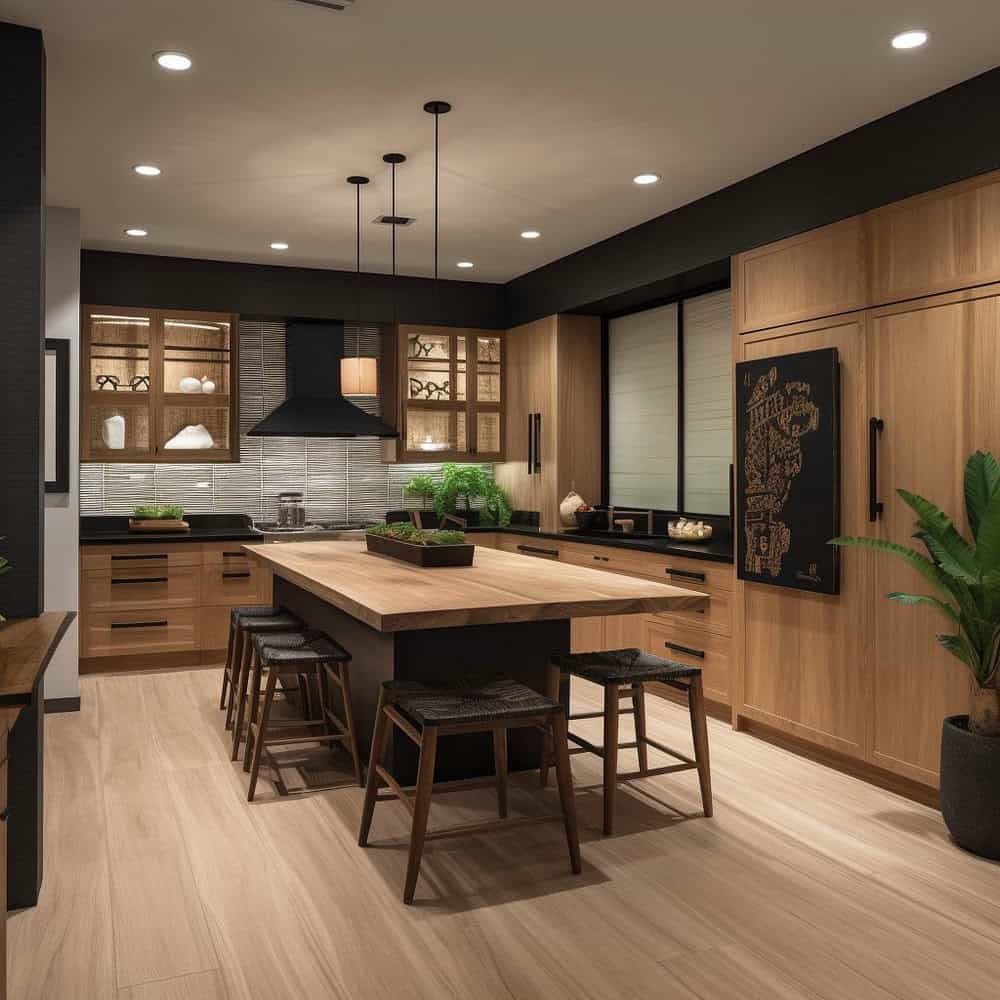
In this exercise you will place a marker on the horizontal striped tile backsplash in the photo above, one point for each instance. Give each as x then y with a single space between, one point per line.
342 478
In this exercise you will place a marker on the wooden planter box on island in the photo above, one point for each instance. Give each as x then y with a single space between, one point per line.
421 555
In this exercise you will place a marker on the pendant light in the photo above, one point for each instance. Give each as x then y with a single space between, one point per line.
393 159
437 109
358 375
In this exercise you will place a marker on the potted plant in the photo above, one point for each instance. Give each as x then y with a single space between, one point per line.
965 578
422 487
466 483
4 568
406 541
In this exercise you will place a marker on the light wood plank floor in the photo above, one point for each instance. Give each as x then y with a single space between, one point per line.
163 883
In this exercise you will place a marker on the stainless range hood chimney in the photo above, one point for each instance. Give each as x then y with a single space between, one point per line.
315 406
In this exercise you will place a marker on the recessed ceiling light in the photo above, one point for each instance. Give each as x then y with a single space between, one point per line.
645 178
147 170
911 39
279 246
530 234
136 232
177 62
465 263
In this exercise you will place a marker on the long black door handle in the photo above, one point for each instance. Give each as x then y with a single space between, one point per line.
538 442
161 555
686 574
160 624
875 506
531 449
698 654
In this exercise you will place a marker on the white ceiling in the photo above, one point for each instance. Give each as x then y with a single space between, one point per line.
558 103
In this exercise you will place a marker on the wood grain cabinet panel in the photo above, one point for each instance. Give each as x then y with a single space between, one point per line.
132 586
803 656
120 633
819 273
940 241
936 365
696 648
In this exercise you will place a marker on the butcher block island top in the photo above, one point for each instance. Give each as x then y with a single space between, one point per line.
392 596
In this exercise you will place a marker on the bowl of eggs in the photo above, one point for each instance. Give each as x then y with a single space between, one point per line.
683 530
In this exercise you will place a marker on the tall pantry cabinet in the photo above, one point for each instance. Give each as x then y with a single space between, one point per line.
907 294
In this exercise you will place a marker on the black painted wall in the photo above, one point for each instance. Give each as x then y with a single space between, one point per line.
22 338
262 291
945 138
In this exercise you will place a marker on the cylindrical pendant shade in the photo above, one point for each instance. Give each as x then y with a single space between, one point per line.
359 376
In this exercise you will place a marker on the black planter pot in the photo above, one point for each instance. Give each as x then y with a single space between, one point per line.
970 787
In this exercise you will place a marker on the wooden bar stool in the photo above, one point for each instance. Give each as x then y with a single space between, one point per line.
246 623
622 673
302 655
424 714
234 654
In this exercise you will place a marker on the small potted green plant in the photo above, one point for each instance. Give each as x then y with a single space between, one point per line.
964 577
422 487
462 484
404 540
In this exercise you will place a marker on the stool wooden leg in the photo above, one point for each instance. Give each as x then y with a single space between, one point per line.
253 699
552 692
610 755
500 760
421 807
345 690
241 696
380 740
564 778
699 732
639 706
234 678
258 743
227 671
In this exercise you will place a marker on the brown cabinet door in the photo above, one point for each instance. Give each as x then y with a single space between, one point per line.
804 655
935 414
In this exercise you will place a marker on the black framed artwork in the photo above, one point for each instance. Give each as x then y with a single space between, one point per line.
788 471
56 415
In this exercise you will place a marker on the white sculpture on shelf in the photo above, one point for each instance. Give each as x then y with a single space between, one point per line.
113 432
190 384
192 437
207 385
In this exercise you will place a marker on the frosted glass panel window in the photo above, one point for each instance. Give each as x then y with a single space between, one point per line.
708 403
642 409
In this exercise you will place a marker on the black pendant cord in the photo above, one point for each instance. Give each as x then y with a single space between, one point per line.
393 159
357 182
437 108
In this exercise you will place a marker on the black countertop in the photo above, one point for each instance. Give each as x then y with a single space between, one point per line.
239 528
204 528
717 550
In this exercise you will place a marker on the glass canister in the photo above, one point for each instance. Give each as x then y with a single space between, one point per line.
291 510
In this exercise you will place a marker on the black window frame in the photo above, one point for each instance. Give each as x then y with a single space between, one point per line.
678 299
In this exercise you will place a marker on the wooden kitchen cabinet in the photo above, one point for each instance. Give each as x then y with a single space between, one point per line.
450 395
553 417
803 656
144 600
818 273
133 365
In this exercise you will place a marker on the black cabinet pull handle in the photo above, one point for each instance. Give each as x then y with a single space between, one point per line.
4 814
687 574
143 579
875 506
602 558
531 445
538 442
697 653
161 624
229 576
160 555
537 551
233 555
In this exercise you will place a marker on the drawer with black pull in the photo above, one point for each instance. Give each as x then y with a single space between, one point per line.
230 577
697 648
144 557
134 586
156 630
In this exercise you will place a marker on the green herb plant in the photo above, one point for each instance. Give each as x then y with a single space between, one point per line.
159 512
405 531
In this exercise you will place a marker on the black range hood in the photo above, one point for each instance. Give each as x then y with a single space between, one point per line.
315 406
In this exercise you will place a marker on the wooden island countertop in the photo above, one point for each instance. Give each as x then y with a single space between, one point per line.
393 596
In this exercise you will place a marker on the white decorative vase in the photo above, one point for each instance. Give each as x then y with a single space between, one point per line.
571 503
193 437
207 385
113 432
190 384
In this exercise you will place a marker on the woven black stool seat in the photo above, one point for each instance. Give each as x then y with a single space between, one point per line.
276 620
298 648
489 701
622 666
254 611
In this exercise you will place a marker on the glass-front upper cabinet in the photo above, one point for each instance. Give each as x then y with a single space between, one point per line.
451 392
158 386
